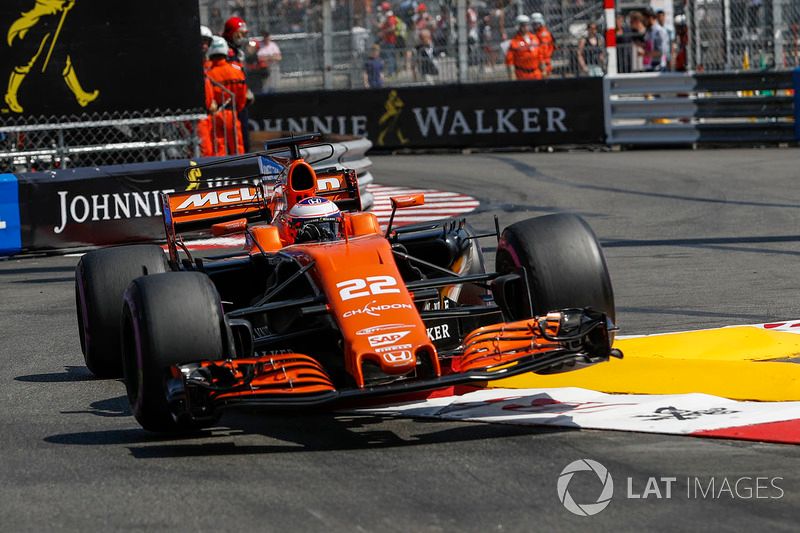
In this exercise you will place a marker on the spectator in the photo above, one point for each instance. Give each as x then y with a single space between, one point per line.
681 44
546 42
492 35
523 57
443 27
426 57
388 28
295 15
670 29
230 97
638 30
423 19
624 45
656 44
373 69
591 52
270 55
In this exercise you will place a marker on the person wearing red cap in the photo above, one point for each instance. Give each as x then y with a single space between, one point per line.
235 33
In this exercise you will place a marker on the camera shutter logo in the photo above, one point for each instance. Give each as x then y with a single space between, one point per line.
585 509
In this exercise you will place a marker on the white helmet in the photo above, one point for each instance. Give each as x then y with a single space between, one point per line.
219 47
205 33
537 18
315 219
522 19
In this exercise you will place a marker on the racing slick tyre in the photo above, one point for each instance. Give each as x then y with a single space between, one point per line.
101 278
168 319
564 264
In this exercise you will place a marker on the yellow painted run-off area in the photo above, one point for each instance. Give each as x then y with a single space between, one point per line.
741 362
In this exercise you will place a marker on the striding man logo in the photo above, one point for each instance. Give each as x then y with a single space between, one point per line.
37 31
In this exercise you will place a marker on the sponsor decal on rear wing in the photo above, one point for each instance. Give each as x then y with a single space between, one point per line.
198 210
340 186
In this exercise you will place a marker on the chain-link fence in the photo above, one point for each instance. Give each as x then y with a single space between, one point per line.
743 34
420 42
97 139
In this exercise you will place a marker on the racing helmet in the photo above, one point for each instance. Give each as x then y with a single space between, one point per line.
218 47
315 219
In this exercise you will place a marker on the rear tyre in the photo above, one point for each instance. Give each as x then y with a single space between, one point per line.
101 278
168 319
564 264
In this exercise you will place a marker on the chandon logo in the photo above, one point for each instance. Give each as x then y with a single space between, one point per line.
585 509
375 310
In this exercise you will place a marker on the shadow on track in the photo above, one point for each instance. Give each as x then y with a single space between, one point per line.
72 373
38 270
296 433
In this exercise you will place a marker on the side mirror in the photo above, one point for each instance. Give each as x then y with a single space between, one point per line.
410 200
399 202
221 229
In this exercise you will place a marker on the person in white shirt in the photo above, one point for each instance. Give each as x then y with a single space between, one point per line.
270 55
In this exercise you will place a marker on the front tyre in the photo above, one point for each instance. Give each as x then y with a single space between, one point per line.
101 278
564 266
168 319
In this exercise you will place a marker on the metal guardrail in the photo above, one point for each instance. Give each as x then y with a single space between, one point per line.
349 154
666 108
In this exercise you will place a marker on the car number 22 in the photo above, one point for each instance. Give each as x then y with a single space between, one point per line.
358 287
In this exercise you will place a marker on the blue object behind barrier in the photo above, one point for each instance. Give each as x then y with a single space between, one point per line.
10 237
796 85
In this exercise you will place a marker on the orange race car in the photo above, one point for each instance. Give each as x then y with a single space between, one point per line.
325 308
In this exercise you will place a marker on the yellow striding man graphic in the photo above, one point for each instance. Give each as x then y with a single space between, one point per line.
393 107
35 30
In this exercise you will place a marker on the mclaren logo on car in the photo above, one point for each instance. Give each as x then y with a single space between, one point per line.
212 198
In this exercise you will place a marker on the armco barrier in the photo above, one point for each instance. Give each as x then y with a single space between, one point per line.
85 207
500 114
666 108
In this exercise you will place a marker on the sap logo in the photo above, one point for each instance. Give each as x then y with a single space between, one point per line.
439 332
375 310
393 348
394 358
212 198
386 338
328 184
382 327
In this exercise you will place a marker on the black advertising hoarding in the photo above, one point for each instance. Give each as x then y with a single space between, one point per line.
518 113
109 205
68 57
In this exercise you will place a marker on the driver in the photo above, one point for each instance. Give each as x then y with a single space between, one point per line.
315 219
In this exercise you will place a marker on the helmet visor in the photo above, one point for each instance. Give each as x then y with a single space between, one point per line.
321 229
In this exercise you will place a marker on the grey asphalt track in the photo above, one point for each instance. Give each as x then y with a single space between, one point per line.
693 239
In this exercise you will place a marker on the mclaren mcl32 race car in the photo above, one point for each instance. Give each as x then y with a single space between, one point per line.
324 308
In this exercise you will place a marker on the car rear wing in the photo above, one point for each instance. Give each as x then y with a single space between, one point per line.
197 210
